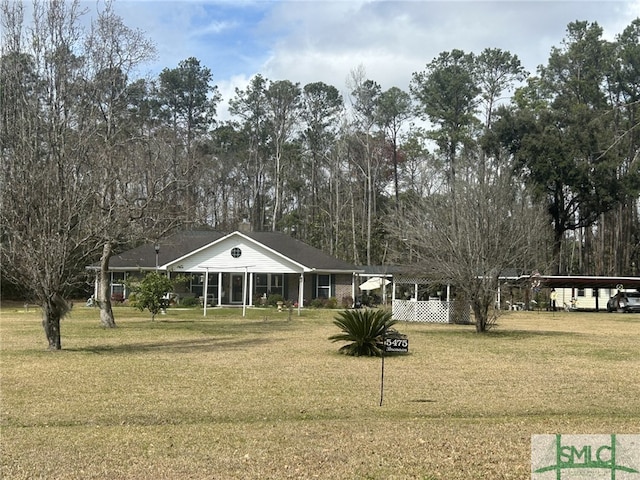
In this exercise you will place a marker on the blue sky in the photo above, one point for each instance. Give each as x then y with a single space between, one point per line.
319 40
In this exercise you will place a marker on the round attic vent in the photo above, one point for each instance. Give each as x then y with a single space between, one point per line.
236 252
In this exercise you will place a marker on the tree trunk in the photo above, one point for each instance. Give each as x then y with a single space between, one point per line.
558 236
104 298
481 317
54 308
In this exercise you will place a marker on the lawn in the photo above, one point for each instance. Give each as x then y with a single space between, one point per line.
226 397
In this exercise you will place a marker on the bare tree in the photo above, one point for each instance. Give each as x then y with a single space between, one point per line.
495 228
72 174
44 151
283 111
365 97
113 52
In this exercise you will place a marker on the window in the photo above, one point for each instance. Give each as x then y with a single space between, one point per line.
276 283
261 284
580 292
236 252
197 284
269 284
212 285
117 284
323 286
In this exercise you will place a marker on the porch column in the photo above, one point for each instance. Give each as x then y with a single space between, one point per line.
383 284
250 292
206 290
219 289
244 292
300 293
353 288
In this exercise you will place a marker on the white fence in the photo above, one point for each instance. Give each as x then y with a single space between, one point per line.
431 311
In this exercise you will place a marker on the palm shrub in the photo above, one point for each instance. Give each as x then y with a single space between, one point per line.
364 329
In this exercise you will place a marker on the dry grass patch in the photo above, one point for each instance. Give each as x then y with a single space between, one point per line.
266 397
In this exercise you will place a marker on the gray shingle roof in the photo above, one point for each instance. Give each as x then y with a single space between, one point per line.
171 248
182 243
300 252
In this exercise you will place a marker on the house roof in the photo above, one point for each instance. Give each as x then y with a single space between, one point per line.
183 243
300 252
382 270
171 248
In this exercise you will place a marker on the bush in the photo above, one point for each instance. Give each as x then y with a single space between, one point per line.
347 301
324 303
260 301
364 329
318 303
189 302
274 298
117 298
148 293
331 302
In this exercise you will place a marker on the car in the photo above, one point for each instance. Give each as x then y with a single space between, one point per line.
624 302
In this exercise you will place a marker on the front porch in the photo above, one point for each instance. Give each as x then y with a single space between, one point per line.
246 288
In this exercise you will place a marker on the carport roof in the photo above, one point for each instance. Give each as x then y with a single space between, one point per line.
584 281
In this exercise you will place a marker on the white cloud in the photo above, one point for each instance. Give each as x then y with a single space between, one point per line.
227 90
320 40
325 40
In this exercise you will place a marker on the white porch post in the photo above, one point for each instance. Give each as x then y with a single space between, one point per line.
449 303
219 289
244 293
353 288
206 290
383 284
251 289
300 293
393 295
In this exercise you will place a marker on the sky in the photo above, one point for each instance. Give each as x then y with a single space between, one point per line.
325 40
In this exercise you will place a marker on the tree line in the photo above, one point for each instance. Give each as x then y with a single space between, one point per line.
96 159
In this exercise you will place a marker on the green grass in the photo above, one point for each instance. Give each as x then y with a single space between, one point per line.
269 397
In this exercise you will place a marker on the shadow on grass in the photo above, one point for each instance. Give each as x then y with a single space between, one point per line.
218 326
497 333
177 346
522 334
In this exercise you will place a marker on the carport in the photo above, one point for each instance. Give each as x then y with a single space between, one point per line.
582 281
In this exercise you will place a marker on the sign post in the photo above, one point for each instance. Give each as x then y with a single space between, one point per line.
391 345
382 373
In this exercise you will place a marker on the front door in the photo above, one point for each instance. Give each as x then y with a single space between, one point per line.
237 280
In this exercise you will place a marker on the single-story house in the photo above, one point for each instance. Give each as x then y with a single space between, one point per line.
239 268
